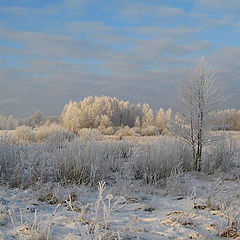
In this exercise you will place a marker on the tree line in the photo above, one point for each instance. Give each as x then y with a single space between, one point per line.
105 112
96 115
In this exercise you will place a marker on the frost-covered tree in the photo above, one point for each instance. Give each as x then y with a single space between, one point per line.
148 117
149 120
137 122
160 119
197 99
105 122
168 114
88 113
104 112
228 119
11 123
3 122
70 117
36 119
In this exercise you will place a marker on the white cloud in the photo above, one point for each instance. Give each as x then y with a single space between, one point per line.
95 31
226 60
55 46
215 5
73 4
137 10
158 31
81 58
13 10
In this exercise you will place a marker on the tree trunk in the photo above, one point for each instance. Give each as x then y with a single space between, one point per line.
198 158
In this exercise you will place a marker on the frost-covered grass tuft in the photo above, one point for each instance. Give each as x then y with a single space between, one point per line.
154 162
88 134
48 129
24 135
60 160
220 156
64 158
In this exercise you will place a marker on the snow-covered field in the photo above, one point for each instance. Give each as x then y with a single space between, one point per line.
127 204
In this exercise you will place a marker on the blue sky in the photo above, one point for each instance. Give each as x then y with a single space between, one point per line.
54 51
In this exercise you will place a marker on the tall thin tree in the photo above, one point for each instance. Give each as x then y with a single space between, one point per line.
197 99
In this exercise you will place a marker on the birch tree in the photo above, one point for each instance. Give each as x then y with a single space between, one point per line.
160 119
197 99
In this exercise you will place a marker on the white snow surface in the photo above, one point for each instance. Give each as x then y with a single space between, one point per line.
136 211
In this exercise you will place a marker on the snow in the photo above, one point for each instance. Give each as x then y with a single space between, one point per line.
146 213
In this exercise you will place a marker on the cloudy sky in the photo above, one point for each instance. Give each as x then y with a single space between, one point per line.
52 51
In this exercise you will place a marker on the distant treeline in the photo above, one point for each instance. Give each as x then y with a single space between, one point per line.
11 123
105 113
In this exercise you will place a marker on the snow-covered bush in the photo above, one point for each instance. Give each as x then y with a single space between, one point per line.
126 131
64 158
96 218
88 162
80 163
48 129
150 131
156 161
59 139
61 159
11 161
106 131
24 135
219 156
137 131
88 134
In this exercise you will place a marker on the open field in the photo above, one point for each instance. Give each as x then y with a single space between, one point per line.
134 188
119 120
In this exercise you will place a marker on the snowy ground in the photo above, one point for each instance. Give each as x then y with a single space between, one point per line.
139 212
186 205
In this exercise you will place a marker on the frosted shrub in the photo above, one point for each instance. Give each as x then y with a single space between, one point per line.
89 162
59 139
36 229
219 157
24 165
179 184
150 131
38 165
173 182
95 217
48 129
24 135
10 159
61 160
106 131
123 149
126 131
137 131
117 154
86 162
88 134
156 161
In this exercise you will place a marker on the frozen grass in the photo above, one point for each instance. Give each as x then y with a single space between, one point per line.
156 161
44 131
24 135
146 189
58 160
81 213
66 159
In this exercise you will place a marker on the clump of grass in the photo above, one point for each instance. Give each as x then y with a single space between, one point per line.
231 228
35 230
94 223
24 135
155 162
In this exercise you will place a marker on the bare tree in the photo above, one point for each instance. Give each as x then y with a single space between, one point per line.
197 99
